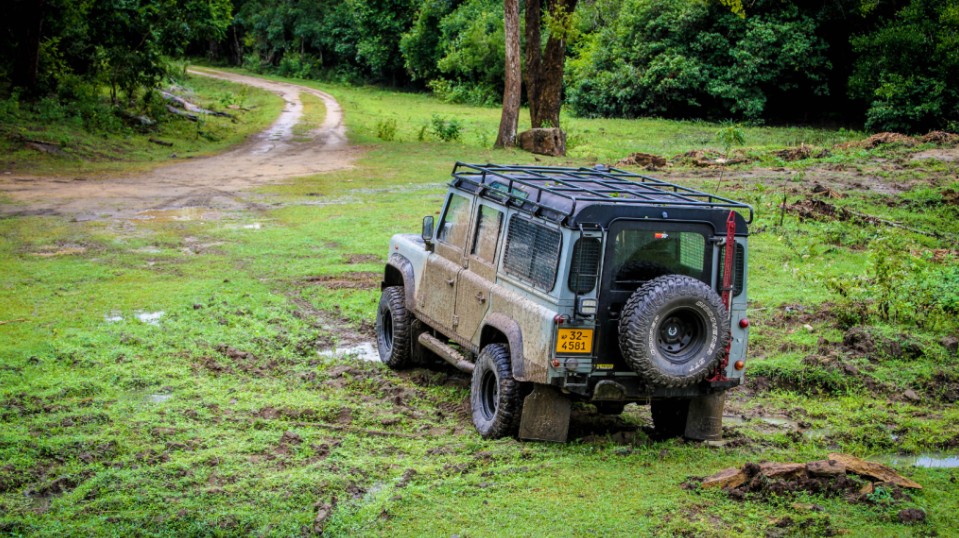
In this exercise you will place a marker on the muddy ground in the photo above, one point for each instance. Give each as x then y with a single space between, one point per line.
220 182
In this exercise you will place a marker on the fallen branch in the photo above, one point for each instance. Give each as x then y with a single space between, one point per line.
186 105
13 321
173 110
813 208
160 142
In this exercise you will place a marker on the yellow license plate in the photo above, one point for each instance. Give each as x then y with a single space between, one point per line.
574 341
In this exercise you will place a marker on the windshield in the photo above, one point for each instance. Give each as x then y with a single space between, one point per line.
640 255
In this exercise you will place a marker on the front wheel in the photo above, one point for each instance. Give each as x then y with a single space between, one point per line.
494 394
393 335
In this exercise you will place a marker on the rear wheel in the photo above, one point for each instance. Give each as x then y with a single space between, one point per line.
494 394
393 335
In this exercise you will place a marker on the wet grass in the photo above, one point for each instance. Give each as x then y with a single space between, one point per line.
222 419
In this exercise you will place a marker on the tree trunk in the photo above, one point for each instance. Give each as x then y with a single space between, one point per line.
28 25
544 73
534 58
514 77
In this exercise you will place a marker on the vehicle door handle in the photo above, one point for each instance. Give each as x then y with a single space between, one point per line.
480 298
450 281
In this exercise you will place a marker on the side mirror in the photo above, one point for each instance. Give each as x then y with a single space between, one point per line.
427 234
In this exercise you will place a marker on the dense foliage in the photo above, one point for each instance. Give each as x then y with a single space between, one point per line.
888 64
909 66
691 59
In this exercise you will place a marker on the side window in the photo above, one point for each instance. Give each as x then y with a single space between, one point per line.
585 264
455 226
487 233
532 252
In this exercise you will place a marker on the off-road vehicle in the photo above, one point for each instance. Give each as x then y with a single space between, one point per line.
551 284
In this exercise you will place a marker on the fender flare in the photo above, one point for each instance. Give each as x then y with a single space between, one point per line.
514 336
405 268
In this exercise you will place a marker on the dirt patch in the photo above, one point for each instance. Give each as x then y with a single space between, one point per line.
351 281
707 158
941 138
645 160
911 516
881 139
800 153
201 183
363 258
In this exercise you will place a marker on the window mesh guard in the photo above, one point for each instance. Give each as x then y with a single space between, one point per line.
532 253
585 264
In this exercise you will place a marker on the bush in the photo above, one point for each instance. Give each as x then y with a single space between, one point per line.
446 130
386 129
684 59
908 68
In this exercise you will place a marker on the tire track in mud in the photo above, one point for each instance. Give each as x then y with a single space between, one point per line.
216 182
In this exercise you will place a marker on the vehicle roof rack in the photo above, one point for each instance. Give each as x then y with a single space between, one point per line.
567 190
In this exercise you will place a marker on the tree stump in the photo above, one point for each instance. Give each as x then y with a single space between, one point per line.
544 141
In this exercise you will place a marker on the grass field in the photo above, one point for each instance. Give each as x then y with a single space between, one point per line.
161 377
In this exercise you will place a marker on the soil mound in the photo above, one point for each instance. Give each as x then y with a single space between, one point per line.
646 160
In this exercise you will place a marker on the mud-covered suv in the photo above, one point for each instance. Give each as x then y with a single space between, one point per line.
552 284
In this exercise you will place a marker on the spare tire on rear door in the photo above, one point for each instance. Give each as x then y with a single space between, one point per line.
673 330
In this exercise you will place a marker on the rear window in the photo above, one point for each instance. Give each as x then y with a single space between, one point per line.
532 252
641 255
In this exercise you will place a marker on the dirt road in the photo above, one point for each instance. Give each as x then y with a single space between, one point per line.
203 183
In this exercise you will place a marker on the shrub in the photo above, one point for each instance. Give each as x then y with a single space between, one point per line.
447 130
678 58
907 69
386 129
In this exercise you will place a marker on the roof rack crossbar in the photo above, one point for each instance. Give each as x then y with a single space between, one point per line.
582 185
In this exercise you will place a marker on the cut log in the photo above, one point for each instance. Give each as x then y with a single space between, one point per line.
727 478
781 470
873 471
825 468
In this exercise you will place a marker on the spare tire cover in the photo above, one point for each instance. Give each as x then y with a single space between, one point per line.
673 330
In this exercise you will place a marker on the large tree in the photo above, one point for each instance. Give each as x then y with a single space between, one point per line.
545 65
514 77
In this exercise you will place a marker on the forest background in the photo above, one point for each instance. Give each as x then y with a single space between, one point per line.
878 64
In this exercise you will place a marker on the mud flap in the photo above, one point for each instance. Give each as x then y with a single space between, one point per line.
545 415
705 419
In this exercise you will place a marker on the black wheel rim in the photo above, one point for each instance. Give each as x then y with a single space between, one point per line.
489 395
681 335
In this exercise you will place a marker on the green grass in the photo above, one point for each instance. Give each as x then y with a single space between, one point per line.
126 147
221 419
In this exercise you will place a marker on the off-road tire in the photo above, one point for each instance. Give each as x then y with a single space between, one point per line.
673 330
669 417
494 394
393 335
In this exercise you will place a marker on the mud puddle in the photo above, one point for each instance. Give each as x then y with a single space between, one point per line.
158 398
181 214
364 351
925 461
777 424
150 318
